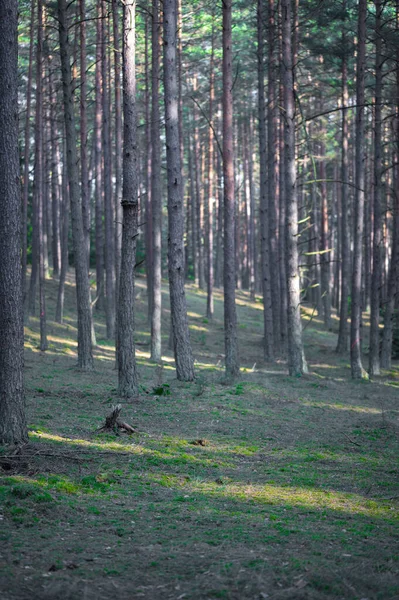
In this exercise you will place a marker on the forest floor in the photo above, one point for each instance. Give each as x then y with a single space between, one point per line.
272 488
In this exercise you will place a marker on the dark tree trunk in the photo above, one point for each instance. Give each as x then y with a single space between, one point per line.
229 275
118 142
12 401
374 356
356 361
178 306
264 200
211 185
83 131
85 355
128 383
296 358
156 191
98 161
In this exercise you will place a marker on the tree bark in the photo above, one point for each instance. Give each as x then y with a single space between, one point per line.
13 428
211 185
356 361
376 278
156 191
182 347
85 355
118 143
229 276
296 358
128 382
98 161
268 322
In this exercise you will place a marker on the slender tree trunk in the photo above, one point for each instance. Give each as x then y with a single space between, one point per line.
325 255
85 355
25 197
55 173
118 143
211 186
178 306
272 151
219 228
12 399
83 130
230 313
374 356
59 311
356 362
264 201
193 237
148 155
343 335
98 161
108 208
156 191
296 358
128 383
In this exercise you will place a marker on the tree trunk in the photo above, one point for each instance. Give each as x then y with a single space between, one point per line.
211 185
156 191
182 347
128 383
83 131
374 356
118 143
296 358
264 200
356 361
85 355
98 161
59 311
12 400
229 275
343 335
108 208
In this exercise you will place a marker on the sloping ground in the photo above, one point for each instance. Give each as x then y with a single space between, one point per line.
272 488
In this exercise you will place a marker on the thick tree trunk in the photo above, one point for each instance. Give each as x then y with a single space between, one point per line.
356 361
296 358
128 383
264 200
374 356
178 306
85 355
156 191
229 275
12 401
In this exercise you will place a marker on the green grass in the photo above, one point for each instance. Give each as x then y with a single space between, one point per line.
268 488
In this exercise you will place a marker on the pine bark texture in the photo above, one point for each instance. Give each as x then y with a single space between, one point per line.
296 358
85 354
182 347
356 313
13 428
128 382
229 271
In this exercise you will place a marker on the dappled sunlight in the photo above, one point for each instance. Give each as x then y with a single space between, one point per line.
339 406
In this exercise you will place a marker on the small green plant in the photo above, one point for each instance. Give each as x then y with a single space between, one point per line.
161 390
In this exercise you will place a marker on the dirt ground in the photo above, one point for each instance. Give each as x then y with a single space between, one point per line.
268 488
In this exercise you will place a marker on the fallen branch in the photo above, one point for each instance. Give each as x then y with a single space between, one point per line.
113 422
351 441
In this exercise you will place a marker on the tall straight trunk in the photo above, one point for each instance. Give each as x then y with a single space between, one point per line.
393 278
55 173
156 190
182 348
296 357
229 279
98 161
118 142
343 335
325 256
264 201
374 356
85 355
64 226
147 202
272 151
198 156
25 196
13 428
83 130
356 361
211 184
282 211
128 382
38 185
108 208
250 206
219 225
193 211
